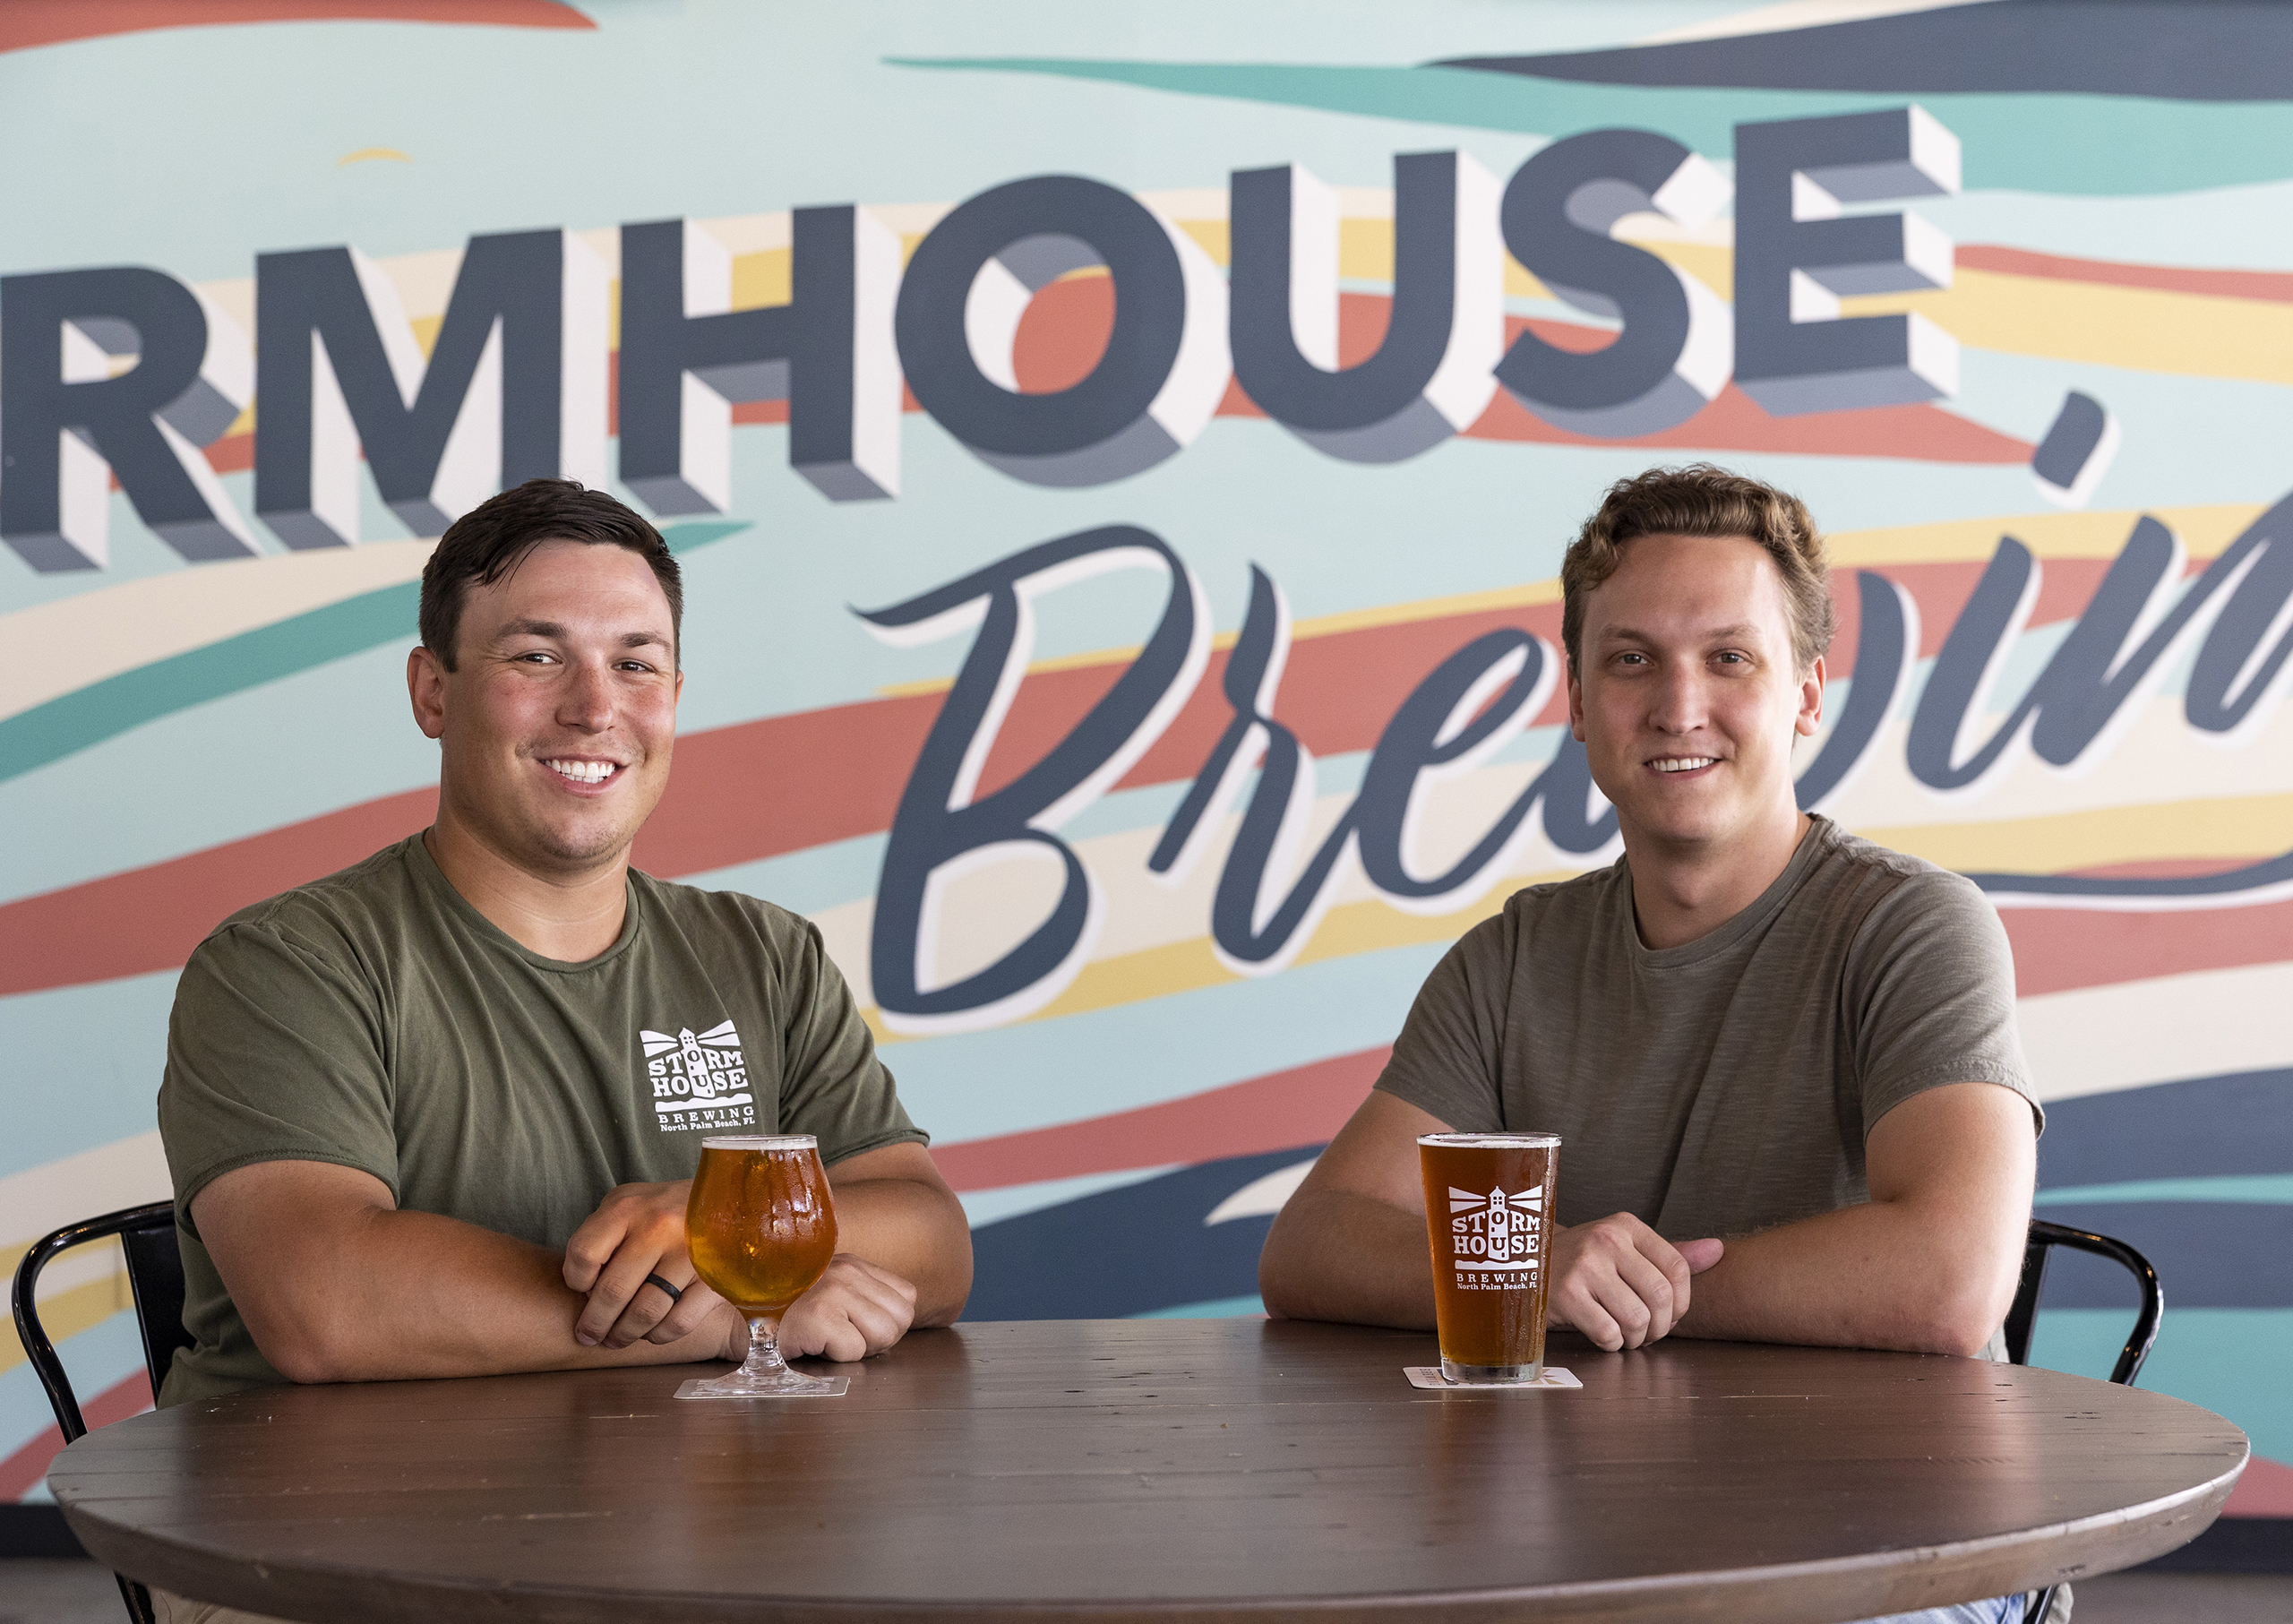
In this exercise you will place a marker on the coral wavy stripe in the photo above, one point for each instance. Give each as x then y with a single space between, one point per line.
2062 950
1304 1105
22 1472
2271 284
1337 692
28 24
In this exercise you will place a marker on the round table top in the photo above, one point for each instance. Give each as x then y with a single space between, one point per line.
1160 1468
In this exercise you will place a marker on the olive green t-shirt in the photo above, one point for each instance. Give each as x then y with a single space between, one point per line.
377 1020
1727 1085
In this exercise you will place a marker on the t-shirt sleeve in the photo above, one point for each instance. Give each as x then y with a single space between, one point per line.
1446 1062
274 1054
833 1086
1931 981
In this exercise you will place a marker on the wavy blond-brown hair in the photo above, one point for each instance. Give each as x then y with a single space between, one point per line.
1704 500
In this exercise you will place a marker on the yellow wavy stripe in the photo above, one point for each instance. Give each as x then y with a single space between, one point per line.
56 648
2240 825
2205 530
2150 329
69 1313
2253 826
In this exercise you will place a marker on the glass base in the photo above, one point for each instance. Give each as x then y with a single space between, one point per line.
779 1384
1492 1375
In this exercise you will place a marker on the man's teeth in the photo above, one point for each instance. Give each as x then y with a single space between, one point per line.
1683 763
582 772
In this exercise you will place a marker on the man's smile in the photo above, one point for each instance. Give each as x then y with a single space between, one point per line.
1671 764
581 770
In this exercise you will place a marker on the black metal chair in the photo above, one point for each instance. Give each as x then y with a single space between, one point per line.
147 1234
2044 1237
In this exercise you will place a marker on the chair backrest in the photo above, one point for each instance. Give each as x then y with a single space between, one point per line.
2045 1236
147 1234
2021 1318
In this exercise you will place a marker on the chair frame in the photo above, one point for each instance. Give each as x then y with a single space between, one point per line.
2021 1319
147 1234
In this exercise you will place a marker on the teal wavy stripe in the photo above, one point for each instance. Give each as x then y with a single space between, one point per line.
104 710
2099 146
2267 1189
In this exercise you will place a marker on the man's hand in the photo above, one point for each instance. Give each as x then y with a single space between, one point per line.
1619 1282
637 1229
853 1311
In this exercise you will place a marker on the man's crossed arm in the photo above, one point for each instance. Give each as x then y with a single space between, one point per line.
336 1283
1928 1265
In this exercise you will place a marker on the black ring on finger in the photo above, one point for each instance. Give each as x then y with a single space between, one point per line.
671 1292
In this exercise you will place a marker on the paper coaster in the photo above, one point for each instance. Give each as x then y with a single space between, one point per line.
1429 1376
836 1388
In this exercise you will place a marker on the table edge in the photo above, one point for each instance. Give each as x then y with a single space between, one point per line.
1811 1592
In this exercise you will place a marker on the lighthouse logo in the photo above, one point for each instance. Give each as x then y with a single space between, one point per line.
1493 1237
699 1081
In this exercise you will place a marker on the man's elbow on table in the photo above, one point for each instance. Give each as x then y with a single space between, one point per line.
288 1239
1958 1163
1957 1322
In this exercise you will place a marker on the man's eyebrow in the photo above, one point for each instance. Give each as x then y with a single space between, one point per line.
1632 634
552 629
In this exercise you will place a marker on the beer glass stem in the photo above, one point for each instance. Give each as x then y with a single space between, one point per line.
764 1360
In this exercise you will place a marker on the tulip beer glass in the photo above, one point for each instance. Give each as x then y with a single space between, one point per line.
760 1229
1488 1205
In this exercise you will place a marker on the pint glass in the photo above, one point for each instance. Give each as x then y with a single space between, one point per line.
1489 1202
760 1229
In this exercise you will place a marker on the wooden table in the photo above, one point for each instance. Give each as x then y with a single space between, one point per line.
1163 1469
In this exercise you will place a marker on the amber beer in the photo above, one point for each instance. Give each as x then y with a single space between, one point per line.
1488 1205
759 1225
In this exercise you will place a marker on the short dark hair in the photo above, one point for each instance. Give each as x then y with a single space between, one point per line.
1705 500
490 540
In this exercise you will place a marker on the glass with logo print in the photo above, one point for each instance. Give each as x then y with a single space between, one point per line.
761 1228
1487 1216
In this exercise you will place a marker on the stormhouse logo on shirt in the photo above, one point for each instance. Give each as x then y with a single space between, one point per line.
699 1082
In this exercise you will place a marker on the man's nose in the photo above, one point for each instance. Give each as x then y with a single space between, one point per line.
1681 702
586 700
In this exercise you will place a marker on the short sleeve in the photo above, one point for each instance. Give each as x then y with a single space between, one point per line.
1446 1062
834 1087
274 1053
1930 986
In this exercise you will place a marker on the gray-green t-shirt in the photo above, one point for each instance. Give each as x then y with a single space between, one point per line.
375 1019
1728 1084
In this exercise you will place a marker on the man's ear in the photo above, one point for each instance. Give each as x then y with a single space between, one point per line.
426 686
1576 704
1811 699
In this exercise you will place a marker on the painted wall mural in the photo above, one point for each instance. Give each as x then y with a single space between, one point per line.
1120 465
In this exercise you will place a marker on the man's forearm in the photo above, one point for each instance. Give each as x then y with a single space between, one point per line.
1928 1265
916 1232
407 1294
1334 1254
1884 1274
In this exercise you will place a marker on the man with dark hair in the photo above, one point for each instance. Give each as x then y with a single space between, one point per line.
1782 1059
436 1115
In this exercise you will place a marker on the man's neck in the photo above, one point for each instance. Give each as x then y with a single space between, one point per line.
573 916
1682 893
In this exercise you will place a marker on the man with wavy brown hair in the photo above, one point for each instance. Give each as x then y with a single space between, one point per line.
1782 1059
